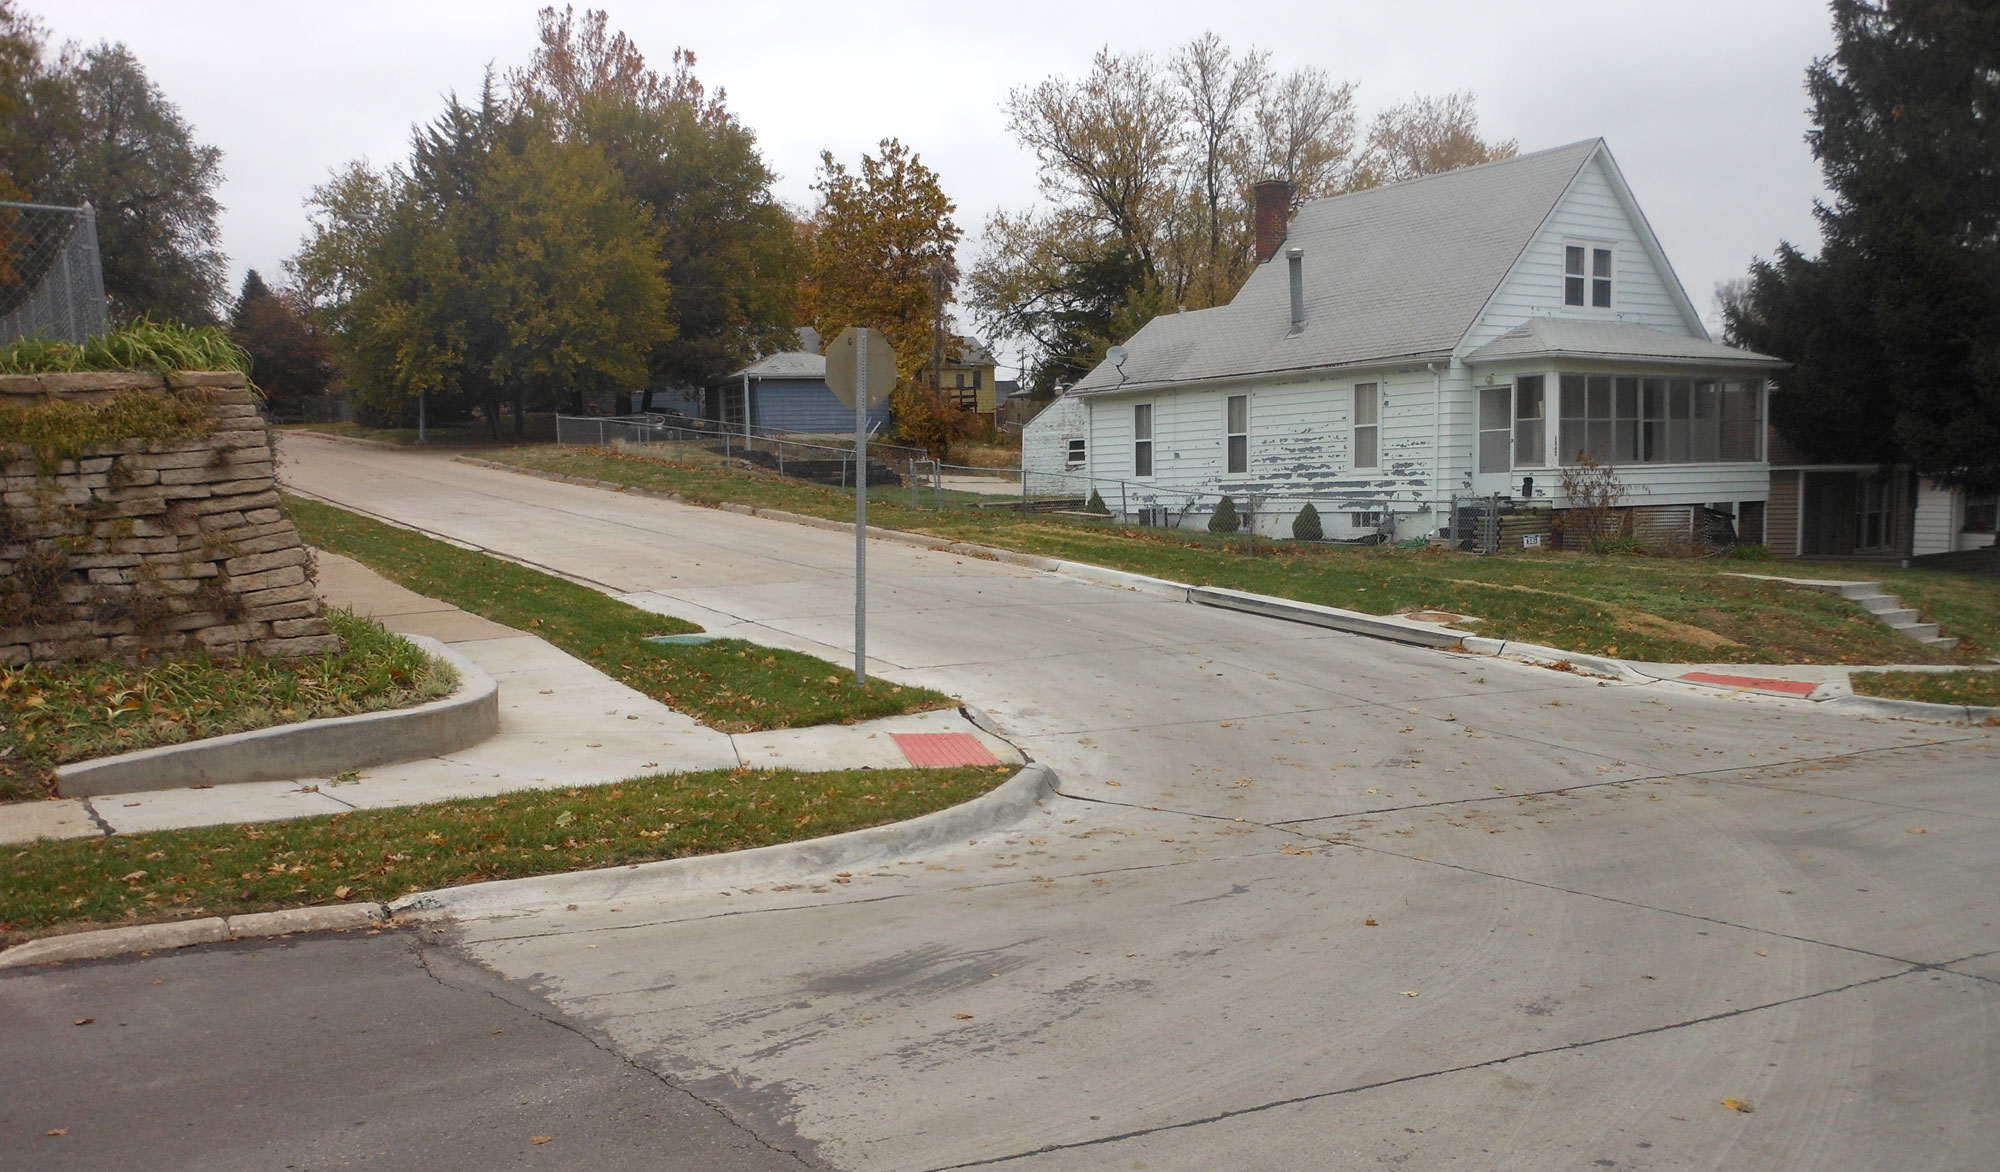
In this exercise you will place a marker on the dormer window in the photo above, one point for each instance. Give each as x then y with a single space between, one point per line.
1587 274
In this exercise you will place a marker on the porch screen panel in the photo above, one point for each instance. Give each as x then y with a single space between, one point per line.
1495 424
1529 451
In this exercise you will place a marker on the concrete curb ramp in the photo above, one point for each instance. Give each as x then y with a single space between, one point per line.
1013 800
339 917
312 748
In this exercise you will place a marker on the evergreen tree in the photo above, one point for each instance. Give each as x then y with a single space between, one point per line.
1894 328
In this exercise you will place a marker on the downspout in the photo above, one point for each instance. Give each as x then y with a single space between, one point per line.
1437 440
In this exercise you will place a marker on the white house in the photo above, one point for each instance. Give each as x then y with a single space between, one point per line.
1464 333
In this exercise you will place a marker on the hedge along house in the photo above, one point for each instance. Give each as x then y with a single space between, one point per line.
1469 333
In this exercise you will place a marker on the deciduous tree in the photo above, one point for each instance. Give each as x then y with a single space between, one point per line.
1427 136
290 358
91 127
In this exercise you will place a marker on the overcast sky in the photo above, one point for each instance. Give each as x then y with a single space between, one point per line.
1702 101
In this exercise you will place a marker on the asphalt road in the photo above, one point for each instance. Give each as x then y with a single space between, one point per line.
370 1050
1308 900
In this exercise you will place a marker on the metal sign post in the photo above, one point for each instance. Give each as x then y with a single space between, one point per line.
861 519
860 371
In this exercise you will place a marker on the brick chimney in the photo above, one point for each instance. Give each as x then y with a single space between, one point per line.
1274 213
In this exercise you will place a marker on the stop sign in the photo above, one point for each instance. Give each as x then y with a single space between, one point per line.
842 359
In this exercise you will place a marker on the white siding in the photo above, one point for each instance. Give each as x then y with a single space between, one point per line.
1045 448
1591 211
1937 520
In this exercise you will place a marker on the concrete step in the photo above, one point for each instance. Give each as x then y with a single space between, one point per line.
1921 632
1878 602
1860 590
1943 642
1897 618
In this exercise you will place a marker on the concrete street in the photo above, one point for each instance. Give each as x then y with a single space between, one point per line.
1308 900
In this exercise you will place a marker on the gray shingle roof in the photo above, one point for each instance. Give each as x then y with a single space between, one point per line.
1557 336
1393 272
786 364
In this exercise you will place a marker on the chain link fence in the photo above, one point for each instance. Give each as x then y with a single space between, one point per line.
912 478
51 277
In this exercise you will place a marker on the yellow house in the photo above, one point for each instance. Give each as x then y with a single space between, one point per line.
968 375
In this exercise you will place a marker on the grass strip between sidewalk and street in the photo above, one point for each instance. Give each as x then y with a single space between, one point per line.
728 684
1667 610
54 713
385 854
1978 689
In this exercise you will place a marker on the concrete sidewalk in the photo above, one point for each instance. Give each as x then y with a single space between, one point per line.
562 723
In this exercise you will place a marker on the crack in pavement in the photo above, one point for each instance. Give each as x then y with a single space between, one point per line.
1317 1096
421 948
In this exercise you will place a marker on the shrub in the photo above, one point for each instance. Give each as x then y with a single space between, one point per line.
1624 543
1745 552
1306 526
1225 518
1096 504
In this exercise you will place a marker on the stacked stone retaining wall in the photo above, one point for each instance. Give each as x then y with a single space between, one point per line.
152 546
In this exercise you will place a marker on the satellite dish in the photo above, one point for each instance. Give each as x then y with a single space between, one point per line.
1117 355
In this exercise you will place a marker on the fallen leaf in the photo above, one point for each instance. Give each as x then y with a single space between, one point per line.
1738 1105
1370 924
963 1016
1114 783
83 1021
57 1131
540 1139
1761 952
308 789
341 891
1410 993
1225 724
1916 830
548 691
1291 849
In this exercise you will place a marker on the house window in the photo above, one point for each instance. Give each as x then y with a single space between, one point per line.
1237 425
1871 514
1980 513
1075 457
1367 403
1495 424
1529 451
979 380
1142 439
1587 274
1623 419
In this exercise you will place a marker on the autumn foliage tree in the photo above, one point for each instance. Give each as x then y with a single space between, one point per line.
290 359
878 234
594 226
1145 167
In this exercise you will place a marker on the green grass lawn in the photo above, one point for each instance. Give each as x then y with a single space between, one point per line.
386 854
465 433
54 713
1633 606
1980 689
728 684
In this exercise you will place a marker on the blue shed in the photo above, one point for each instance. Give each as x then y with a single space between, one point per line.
786 391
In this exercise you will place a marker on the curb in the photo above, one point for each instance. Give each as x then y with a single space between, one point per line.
339 917
1011 801
1540 656
311 748
1353 622
1911 709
